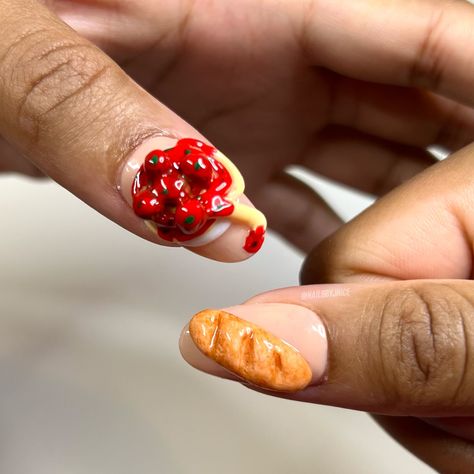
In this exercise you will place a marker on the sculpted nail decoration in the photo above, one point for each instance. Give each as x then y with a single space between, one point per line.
184 190
249 351
255 239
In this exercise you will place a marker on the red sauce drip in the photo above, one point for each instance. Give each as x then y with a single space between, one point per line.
255 239
182 189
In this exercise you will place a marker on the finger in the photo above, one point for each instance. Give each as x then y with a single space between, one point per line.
422 229
445 453
408 116
83 122
399 348
12 161
462 426
113 25
296 211
418 42
367 163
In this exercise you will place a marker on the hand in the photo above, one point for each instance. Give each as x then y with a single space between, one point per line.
373 342
298 82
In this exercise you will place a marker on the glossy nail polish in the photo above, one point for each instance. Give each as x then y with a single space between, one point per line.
188 193
277 347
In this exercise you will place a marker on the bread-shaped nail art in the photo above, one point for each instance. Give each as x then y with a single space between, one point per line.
249 351
189 192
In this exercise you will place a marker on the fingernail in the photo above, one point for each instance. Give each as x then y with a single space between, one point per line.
281 347
188 193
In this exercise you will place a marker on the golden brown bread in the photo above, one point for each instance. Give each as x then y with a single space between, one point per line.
249 351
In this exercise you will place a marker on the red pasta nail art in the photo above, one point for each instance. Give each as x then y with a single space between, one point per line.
184 189
255 239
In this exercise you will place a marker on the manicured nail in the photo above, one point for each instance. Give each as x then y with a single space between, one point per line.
188 193
281 347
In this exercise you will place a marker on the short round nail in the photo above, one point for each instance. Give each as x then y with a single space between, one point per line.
278 347
189 194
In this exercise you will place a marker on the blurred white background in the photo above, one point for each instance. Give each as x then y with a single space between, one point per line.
91 377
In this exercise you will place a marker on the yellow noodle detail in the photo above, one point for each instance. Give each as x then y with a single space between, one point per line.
242 214
248 215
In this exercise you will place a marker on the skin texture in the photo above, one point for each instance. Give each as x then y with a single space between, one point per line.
317 90
432 219
286 102
77 116
401 347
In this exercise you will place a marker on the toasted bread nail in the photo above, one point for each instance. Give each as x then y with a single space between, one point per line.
249 351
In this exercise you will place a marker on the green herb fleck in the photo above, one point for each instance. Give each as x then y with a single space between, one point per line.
189 220
197 165
187 152
154 159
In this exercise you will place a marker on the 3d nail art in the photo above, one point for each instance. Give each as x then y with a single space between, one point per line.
189 195
249 351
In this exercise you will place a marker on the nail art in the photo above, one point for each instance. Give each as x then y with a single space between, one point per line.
249 351
188 194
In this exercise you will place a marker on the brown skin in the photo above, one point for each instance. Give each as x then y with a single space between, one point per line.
272 83
293 99
423 229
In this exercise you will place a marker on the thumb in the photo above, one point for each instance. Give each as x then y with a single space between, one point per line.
398 348
80 119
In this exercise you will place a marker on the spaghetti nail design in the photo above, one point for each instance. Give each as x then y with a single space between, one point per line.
188 193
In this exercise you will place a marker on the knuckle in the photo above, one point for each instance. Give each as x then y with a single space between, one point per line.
50 73
423 345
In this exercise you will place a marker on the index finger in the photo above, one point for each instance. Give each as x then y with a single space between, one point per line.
77 116
399 348
420 43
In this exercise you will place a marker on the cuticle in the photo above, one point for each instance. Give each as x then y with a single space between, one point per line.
144 137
